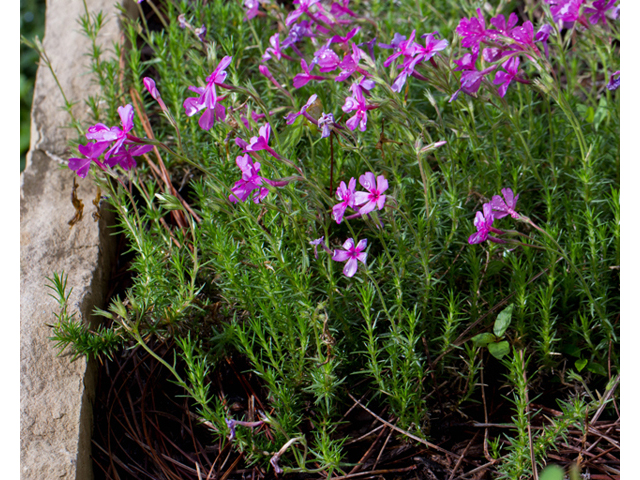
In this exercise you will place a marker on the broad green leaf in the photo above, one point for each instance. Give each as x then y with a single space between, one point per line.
596 368
503 321
484 339
499 349
552 472
580 364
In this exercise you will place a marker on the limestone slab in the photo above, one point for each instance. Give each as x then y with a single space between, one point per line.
55 394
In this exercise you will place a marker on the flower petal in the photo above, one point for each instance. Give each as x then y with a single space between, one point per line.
350 268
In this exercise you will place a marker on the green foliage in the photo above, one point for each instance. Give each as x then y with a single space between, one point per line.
241 279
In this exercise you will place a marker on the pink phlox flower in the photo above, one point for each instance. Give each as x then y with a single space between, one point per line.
420 54
501 208
483 223
297 33
124 156
150 85
350 63
566 11
315 244
340 9
347 37
251 180
358 104
92 152
291 118
362 86
251 9
473 30
598 11
502 26
543 35
470 81
261 142
367 202
404 48
614 81
352 254
301 79
346 195
468 60
396 41
503 78
101 133
325 58
326 122
201 32
313 8
274 49
321 243
523 35
208 99
492 54
370 44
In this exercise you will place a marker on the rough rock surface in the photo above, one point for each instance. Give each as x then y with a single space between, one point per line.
55 395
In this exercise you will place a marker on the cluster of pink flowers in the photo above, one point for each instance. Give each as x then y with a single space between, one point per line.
315 20
361 202
120 145
499 207
501 45
568 12
208 98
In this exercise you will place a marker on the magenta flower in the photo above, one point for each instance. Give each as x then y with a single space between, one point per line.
261 142
470 81
504 78
101 133
350 63
473 30
503 27
92 152
326 59
543 35
275 49
250 181
347 199
375 198
326 122
404 48
567 11
523 35
124 156
599 10
208 99
614 81
483 224
502 208
251 9
340 9
347 37
351 254
313 8
468 60
364 85
302 79
320 242
291 118
150 85
358 104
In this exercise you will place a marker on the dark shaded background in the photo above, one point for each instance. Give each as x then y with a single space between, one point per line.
31 24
